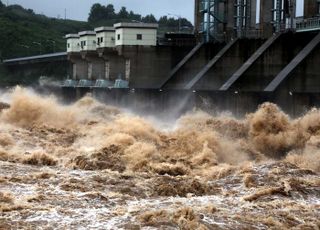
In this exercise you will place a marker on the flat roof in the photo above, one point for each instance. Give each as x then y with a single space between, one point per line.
104 28
87 33
136 25
72 36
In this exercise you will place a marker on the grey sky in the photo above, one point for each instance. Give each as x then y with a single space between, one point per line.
79 9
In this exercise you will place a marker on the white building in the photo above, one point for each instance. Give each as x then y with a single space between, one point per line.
87 41
73 43
136 34
105 37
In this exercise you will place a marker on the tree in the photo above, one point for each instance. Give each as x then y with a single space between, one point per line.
173 23
97 13
30 11
149 19
111 14
134 17
186 23
1 5
163 20
123 13
106 15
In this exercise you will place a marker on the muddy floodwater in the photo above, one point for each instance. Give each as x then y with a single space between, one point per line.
92 166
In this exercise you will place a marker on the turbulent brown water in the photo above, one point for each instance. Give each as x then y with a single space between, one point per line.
92 166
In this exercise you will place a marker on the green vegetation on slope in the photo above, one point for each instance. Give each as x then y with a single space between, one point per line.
24 33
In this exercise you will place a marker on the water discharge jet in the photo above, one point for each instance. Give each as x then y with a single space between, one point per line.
101 156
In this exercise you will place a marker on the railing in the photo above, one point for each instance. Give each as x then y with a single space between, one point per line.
121 84
99 83
245 33
85 83
70 83
249 33
308 24
176 41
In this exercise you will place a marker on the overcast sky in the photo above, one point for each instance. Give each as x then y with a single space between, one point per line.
79 9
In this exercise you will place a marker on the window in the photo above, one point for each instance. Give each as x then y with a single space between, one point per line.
139 36
83 44
118 36
100 40
68 45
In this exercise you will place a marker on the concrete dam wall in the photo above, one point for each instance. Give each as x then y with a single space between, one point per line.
235 76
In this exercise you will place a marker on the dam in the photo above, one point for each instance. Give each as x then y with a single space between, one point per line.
242 53
125 129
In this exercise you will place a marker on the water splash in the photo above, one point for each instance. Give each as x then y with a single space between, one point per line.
98 153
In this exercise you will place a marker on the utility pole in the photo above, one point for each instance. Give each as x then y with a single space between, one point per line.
65 13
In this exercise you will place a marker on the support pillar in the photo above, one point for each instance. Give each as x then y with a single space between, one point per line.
79 66
128 69
114 64
266 17
253 14
311 8
96 65
197 20
74 71
107 70
90 70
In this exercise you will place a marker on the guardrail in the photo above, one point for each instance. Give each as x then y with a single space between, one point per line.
249 34
225 37
176 41
308 24
99 83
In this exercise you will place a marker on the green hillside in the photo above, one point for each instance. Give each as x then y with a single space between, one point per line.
24 33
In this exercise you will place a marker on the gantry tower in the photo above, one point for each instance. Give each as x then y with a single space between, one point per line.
220 19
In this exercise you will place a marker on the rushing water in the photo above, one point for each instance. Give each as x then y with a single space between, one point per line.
92 166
